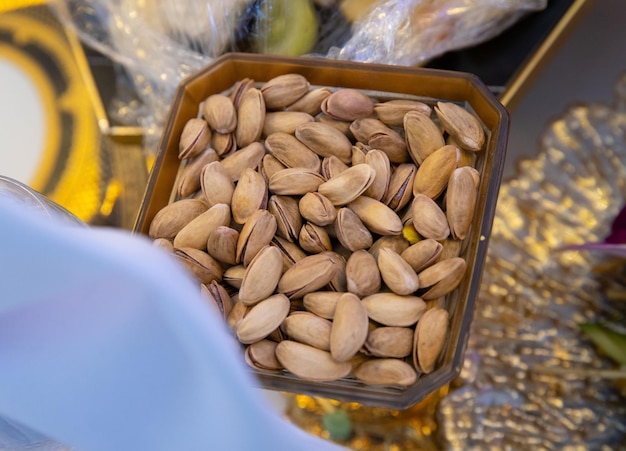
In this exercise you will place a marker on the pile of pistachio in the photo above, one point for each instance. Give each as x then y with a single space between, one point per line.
326 225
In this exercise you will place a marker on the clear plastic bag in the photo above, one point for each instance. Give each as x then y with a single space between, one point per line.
160 42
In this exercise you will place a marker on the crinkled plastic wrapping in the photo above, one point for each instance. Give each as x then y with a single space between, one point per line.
160 42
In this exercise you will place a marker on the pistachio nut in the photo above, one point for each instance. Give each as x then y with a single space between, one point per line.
362 274
283 90
308 274
290 252
233 275
378 217
310 363
462 125
347 186
270 166
347 105
250 195
317 208
217 186
295 181
262 319
397 243
433 174
239 88
288 220
204 267
397 274
422 135
350 230
223 143
400 190
392 112
332 166
196 233
422 254
391 309
429 338
215 293
194 138
461 198
311 102
237 313
285 121
256 233
173 217
164 244
428 218
314 239
249 156
325 140
379 161
389 372
219 111
349 328
322 303
308 328
250 117
261 276
394 342
189 181
442 277
291 152
222 244
261 356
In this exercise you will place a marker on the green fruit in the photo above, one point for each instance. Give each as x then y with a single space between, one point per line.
338 425
612 343
285 27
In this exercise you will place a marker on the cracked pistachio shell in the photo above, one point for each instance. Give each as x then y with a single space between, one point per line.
263 319
442 277
256 233
332 166
216 184
317 208
219 111
347 186
261 276
349 328
194 138
348 104
249 156
261 356
400 190
422 136
308 274
397 243
461 198
239 88
250 117
173 217
362 274
291 152
310 363
234 275
428 218
376 216
351 232
203 267
389 372
236 314
196 233
394 342
250 195
322 303
283 90
325 140
397 274
270 166
288 220
222 245
422 254
433 174
290 252
392 112
216 294
391 309
223 143
463 126
285 121
308 328
363 129
190 178
429 338
314 239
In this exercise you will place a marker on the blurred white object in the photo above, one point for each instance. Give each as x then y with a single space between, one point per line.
106 344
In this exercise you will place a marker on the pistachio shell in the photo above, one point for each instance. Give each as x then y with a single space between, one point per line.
350 230
379 161
347 186
422 254
194 138
400 190
290 252
397 243
391 309
348 104
261 276
442 277
349 328
189 181
322 303
397 273
216 294
256 233
378 217
288 220
311 102
332 166
461 200
317 208
222 245
196 233
389 372
234 275
284 121
204 267
429 339
308 328
310 363
250 117
261 356
249 195
314 239
325 140
308 274
291 152
394 342
428 218
262 319
223 143
433 174
392 112
423 136
237 313
295 181
218 110
283 90
173 217
249 156
270 166
362 274
216 184
462 125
